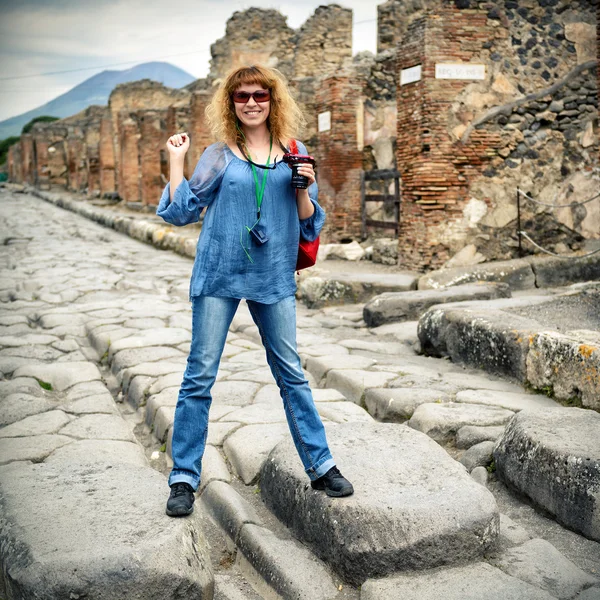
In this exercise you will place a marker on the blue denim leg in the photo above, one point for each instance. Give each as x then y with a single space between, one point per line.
277 326
211 318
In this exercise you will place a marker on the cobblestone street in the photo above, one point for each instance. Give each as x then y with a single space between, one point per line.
94 334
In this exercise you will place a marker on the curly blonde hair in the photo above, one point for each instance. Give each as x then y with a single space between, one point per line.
285 117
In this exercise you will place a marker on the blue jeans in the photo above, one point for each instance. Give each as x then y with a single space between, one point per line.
211 318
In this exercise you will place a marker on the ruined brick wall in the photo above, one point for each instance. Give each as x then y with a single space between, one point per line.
458 182
394 18
339 157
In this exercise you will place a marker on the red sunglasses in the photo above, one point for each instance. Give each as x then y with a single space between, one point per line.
259 96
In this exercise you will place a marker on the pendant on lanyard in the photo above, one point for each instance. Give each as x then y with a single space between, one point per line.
257 232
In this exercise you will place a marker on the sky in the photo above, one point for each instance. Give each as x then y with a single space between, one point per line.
49 46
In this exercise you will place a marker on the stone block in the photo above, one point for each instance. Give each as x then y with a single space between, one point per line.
286 566
511 533
19 405
352 384
228 508
35 448
45 423
99 427
234 393
553 457
61 375
472 582
320 366
214 467
122 542
551 271
442 421
539 563
249 446
99 452
399 404
567 364
469 435
479 455
517 273
510 400
408 306
414 507
343 412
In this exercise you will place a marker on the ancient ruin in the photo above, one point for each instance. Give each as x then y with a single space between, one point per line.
465 102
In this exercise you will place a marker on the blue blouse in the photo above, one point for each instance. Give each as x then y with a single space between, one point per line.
224 184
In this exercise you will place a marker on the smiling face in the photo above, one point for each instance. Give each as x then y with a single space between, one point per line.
252 113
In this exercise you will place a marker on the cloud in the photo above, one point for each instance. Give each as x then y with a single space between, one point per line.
41 36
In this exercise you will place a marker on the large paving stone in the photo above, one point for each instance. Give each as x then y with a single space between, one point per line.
320 366
343 412
408 306
163 336
567 364
469 435
509 400
18 405
61 375
135 356
517 273
399 404
255 414
414 507
234 393
538 562
48 422
96 452
483 338
442 421
353 383
99 427
248 448
34 448
551 271
122 547
553 457
479 581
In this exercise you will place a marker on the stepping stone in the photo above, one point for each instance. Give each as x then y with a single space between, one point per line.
45 423
399 404
539 563
249 446
442 421
473 582
553 457
61 376
119 510
408 492
409 306
508 400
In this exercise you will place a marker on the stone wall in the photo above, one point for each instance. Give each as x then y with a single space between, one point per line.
460 167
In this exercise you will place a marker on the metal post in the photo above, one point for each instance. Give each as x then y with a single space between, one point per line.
519 222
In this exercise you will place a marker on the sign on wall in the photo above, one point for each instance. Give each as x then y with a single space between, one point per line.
459 71
410 75
324 121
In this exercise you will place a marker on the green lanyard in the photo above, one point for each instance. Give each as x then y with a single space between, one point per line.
260 191
260 187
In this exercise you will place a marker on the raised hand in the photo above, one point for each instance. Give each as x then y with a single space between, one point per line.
178 145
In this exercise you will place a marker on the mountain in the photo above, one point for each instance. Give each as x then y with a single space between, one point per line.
96 90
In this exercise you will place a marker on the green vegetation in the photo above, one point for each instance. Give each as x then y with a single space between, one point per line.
43 119
44 384
492 467
163 448
4 145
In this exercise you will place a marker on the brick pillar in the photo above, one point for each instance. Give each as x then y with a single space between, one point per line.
42 170
151 142
27 158
92 158
339 159
106 156
15 163
129 162
199 131
76 166
434 166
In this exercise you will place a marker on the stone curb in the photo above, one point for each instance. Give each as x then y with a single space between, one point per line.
159 236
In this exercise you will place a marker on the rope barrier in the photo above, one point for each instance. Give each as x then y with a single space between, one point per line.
557 255
558 205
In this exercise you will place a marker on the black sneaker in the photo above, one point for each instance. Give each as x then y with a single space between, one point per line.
181 500
334 484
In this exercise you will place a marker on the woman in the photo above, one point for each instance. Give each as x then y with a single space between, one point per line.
247 249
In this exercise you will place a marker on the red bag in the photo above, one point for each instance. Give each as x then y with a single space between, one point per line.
307 251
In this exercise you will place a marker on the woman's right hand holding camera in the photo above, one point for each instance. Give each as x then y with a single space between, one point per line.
178 145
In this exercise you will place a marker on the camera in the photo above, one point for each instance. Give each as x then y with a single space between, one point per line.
294 161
